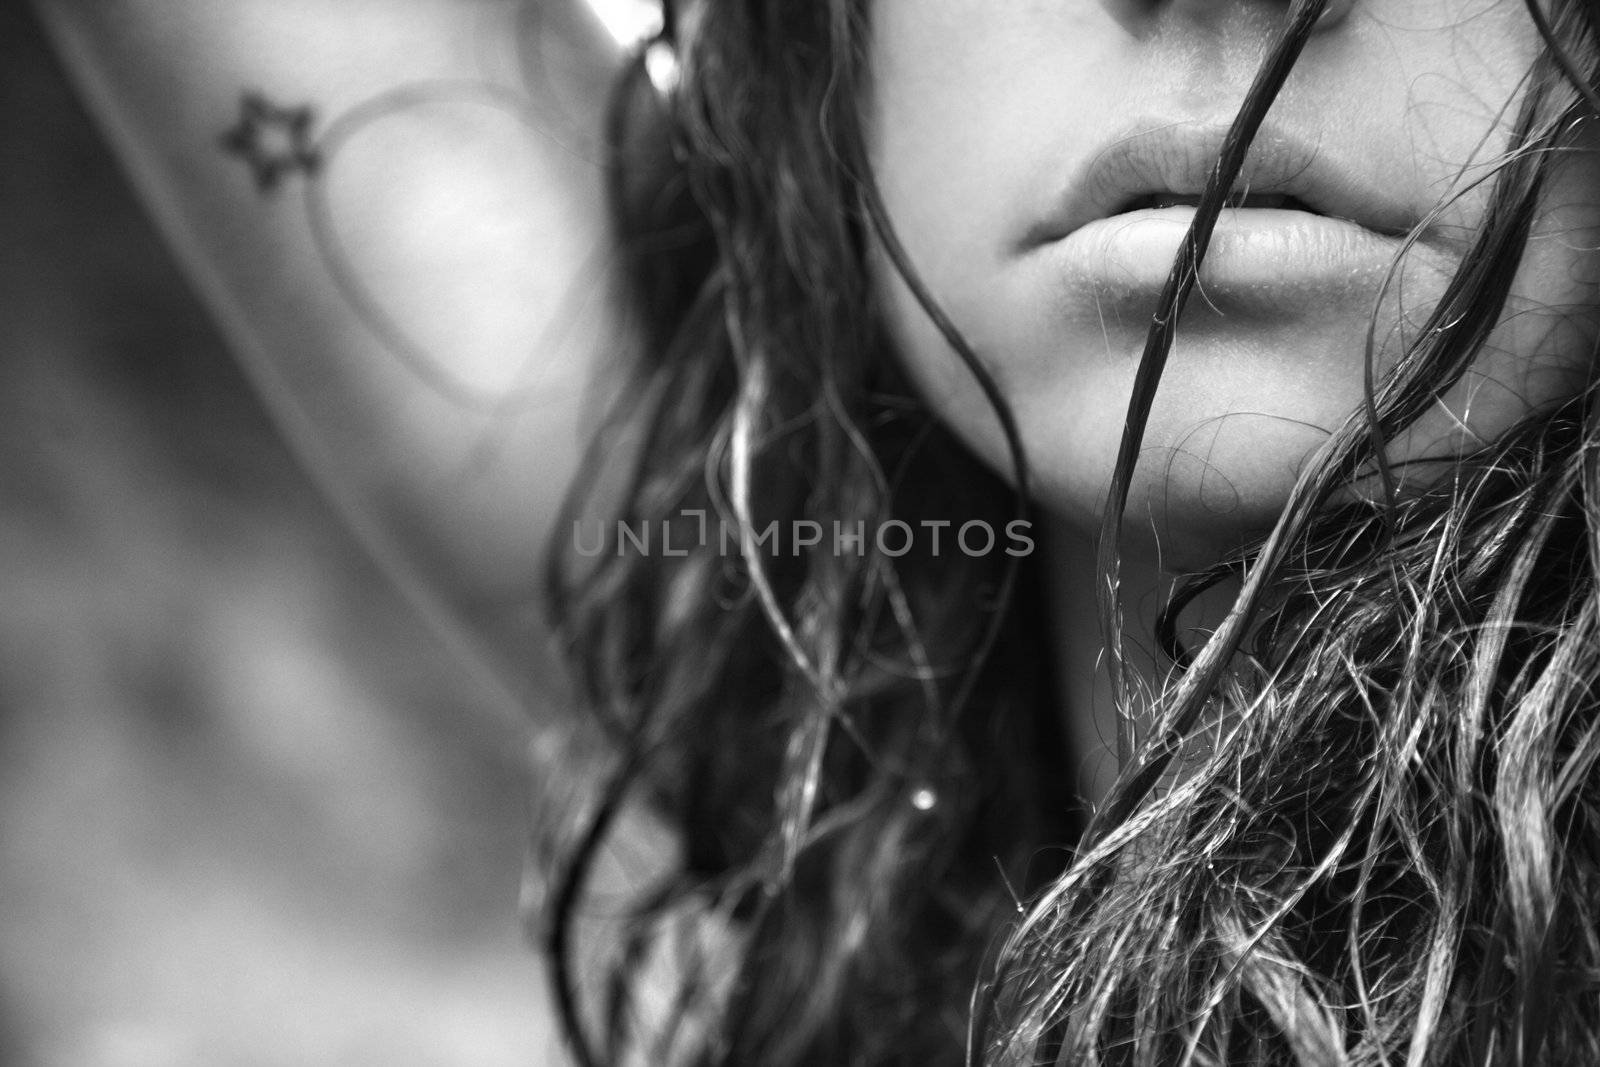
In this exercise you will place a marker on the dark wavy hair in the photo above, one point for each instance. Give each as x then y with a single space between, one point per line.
1384 841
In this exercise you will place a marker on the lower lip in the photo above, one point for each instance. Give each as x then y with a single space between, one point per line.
1255 255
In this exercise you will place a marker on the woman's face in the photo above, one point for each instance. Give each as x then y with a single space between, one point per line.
1038 158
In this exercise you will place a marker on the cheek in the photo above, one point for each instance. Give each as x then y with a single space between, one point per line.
965 97
1543 351
973 104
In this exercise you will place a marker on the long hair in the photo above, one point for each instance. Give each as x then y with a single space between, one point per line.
1384 841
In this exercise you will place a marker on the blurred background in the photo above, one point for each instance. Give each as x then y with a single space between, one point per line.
251 812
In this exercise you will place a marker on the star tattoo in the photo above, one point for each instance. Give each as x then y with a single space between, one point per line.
275 141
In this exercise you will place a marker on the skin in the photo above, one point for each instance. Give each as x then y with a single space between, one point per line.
473 225
981 111
986 116
982 114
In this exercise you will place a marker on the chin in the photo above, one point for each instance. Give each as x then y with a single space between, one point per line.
1233 425
1189 508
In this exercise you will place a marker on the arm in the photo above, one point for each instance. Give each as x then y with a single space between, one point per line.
416 283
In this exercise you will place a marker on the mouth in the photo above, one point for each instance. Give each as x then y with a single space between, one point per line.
1305 225
1157 201
1155 165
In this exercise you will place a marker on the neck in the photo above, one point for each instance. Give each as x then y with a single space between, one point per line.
1083 674
1082 667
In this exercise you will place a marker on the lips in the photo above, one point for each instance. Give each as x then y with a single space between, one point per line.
1268 201
1301 222
1158 164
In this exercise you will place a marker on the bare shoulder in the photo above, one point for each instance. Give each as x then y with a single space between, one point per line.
395 210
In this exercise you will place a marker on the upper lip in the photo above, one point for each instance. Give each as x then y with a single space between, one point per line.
1165 158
